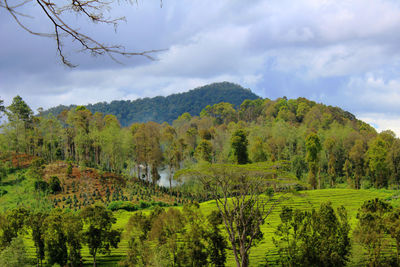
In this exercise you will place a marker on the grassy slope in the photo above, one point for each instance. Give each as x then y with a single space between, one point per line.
351 199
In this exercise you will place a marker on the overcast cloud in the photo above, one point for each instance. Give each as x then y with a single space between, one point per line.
342 53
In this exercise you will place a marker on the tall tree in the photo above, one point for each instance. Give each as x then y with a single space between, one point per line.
316 238
99 235
313 147
239 145
357 157
204 151
55 239
244 200
12 224
147 149
377 154
370 230
36 224
393 159
217 243
73 227
20 117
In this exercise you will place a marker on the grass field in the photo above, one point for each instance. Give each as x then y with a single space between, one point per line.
349 198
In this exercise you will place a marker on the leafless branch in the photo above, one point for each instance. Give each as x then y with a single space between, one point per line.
92 9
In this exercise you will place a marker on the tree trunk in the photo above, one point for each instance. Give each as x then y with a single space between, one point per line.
147 173
94 259
170 180
245 258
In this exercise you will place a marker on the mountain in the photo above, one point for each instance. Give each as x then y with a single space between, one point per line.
160 108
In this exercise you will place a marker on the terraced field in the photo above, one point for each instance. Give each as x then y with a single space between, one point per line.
351 199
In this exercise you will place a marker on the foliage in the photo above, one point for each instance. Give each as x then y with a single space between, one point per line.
217 242
55 185
12 223
316 238
371 228
247 210
36 224
73 229
98 235
15 254
239 147
313 147
182 237
55 238
160 109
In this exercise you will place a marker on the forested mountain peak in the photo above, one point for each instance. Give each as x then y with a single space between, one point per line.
166 109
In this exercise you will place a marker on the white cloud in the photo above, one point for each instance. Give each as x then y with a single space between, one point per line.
382 121
311 41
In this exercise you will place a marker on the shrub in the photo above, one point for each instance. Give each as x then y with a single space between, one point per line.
122 205
41 186
3 192
55 185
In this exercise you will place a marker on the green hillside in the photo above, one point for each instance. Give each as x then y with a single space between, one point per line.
161 109
351 199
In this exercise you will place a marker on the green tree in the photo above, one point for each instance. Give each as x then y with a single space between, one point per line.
240 196
217 244
55 185
73 232
173 157
20 119
377 154
99 235
257 150
313 147
357 157
371 228
221 112
15 254
147 150
55 239
194 251
393 159
36 224
13 223
239 147
330 146
392 223
204 151
316 238
298 166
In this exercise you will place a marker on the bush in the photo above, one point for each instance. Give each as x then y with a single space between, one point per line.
69 169
144 204
122 205
55 185
41 186
3 192
38 162
129 206
14 254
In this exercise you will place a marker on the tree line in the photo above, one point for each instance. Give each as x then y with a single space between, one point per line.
186 237
58 236
166 109
324 145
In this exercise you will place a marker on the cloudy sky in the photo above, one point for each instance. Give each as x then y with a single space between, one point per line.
341 53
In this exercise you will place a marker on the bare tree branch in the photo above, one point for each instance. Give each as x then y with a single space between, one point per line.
92 9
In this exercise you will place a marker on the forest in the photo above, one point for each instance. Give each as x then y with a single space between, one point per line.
166 109
199 191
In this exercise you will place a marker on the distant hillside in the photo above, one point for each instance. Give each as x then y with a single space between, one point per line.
160 109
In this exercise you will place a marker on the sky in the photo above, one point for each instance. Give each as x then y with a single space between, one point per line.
340 53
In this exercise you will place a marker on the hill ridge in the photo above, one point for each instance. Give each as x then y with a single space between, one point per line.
168 108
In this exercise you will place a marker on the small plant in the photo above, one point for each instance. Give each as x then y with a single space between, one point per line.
55 185
69 169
